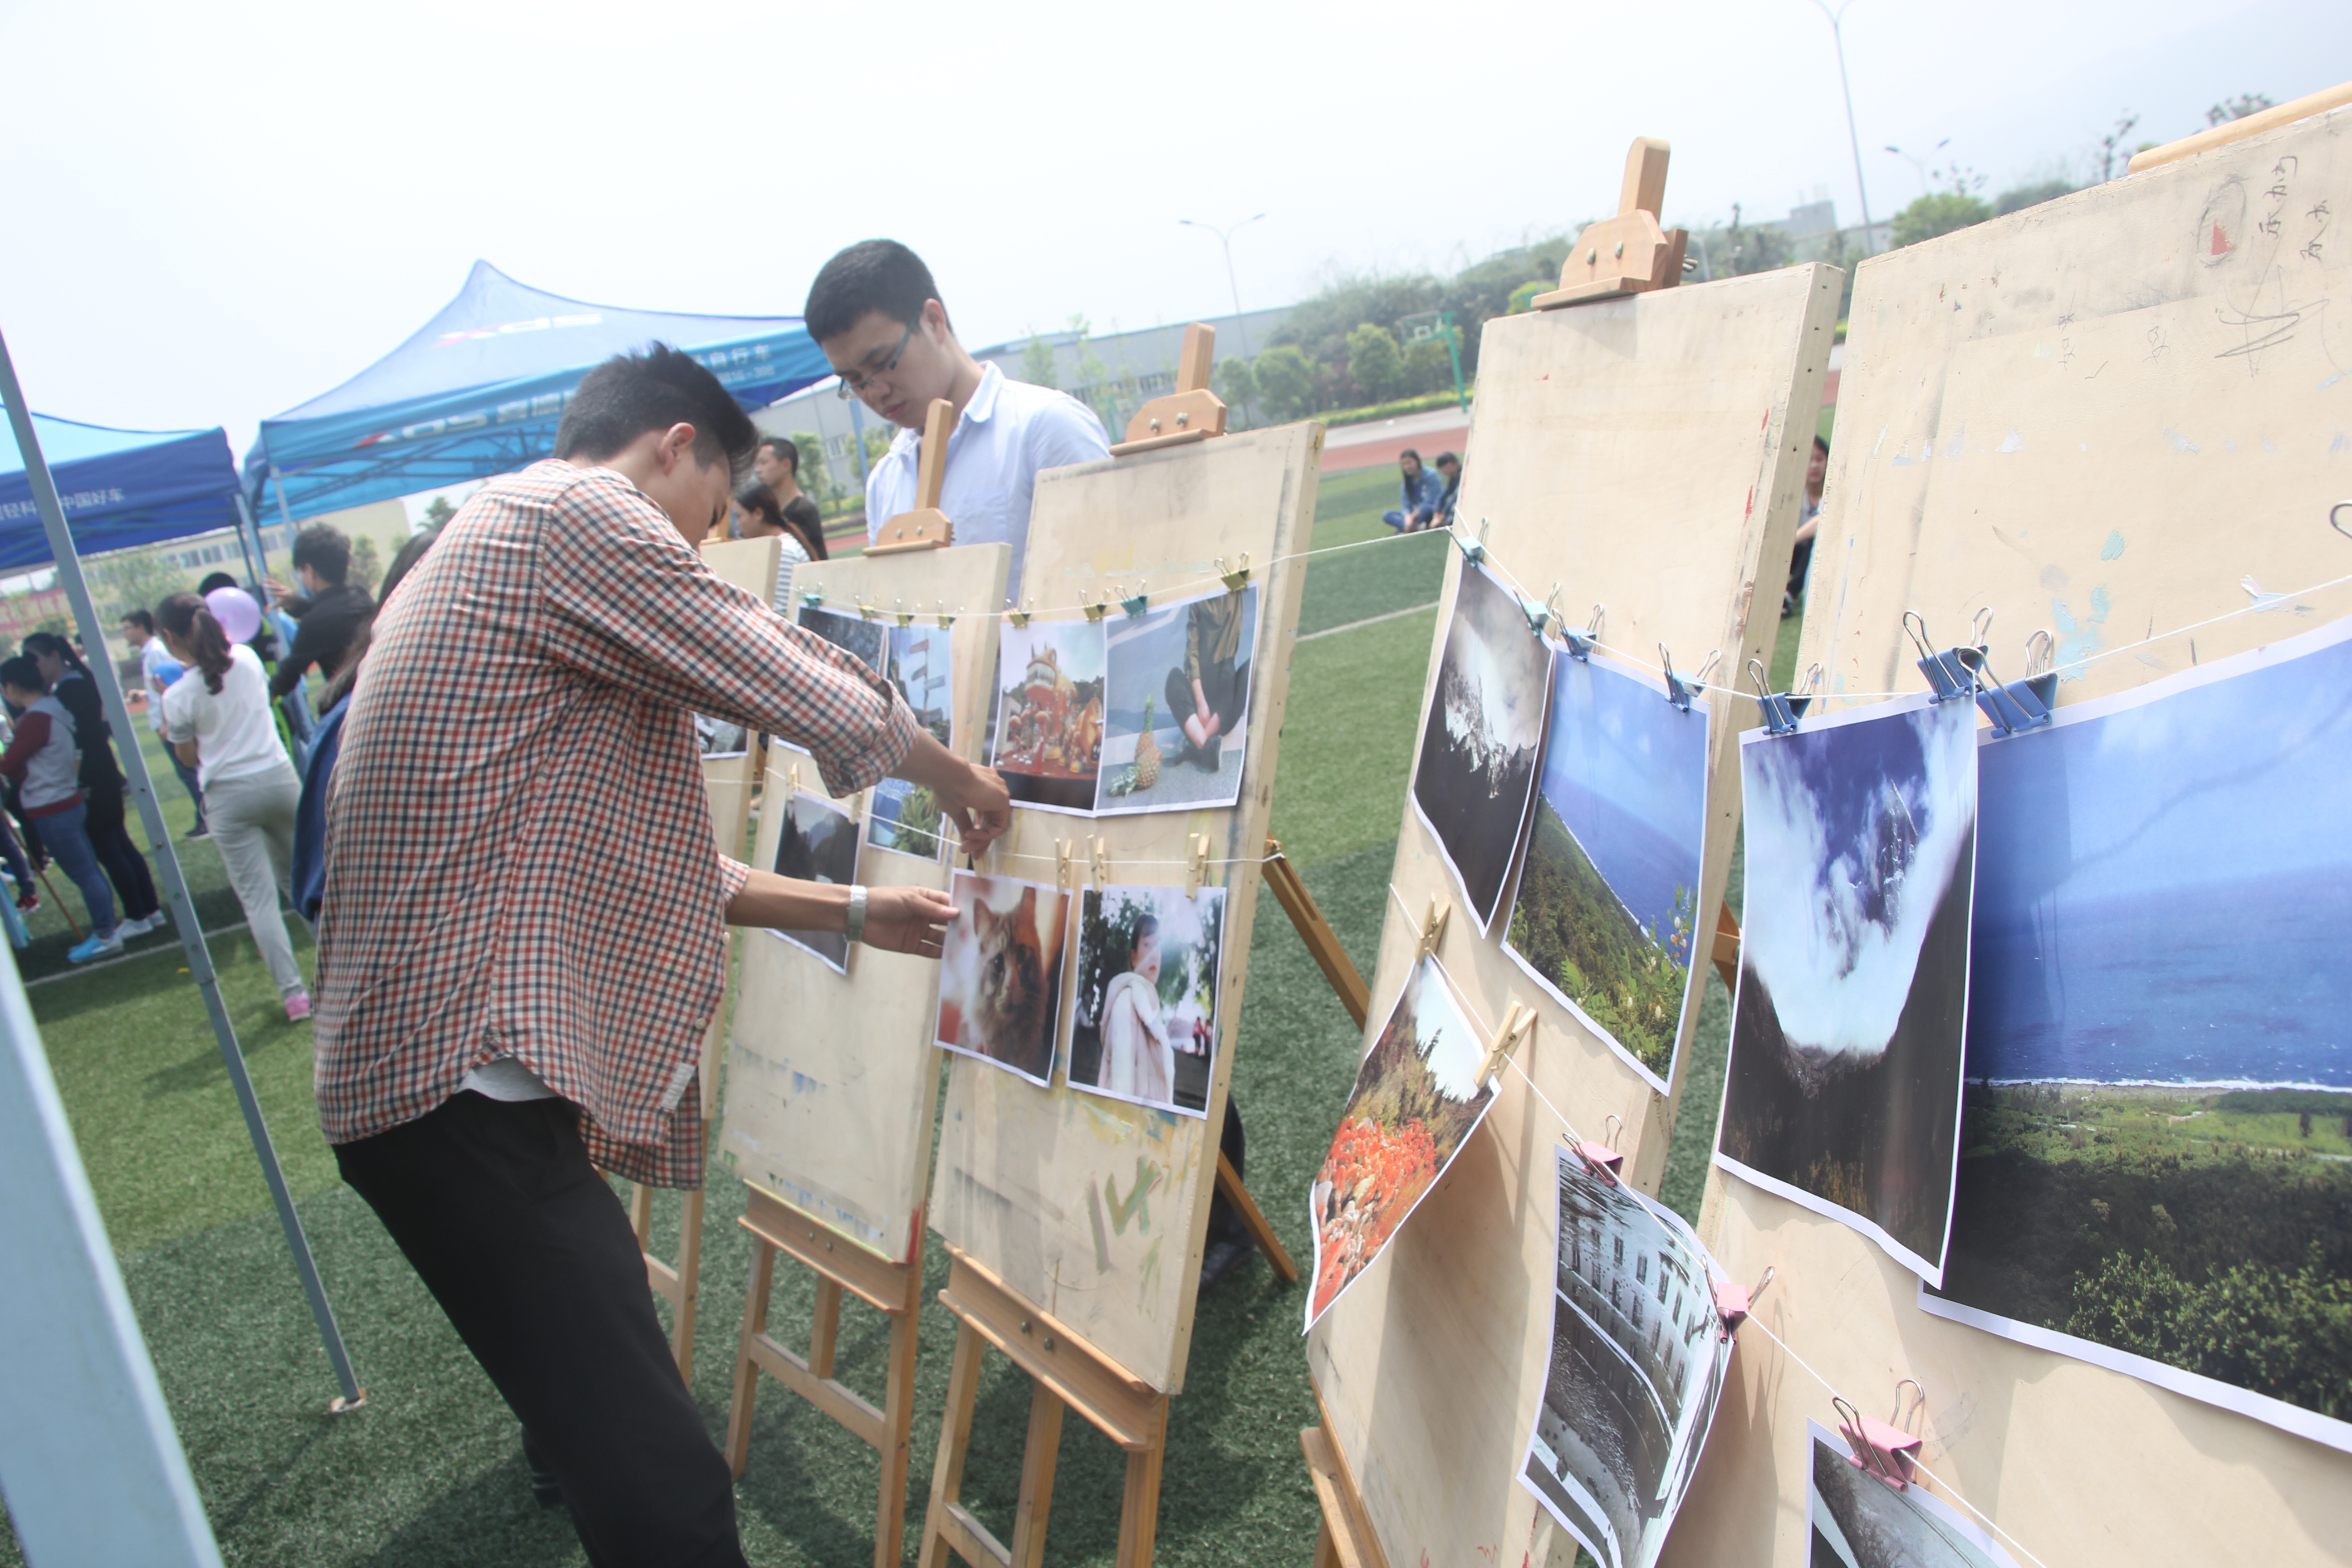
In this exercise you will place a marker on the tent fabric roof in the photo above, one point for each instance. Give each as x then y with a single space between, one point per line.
479 388
121 488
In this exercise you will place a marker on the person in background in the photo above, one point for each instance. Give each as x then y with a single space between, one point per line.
101 781
803 518
776 463
310 867
270 644
1449 468
40 758
157 670
216 719
1809 523
754 514
330 612
1422 491
875 313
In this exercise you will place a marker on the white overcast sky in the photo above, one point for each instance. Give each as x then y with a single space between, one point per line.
216 212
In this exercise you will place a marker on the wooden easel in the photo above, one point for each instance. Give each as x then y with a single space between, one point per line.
1119 1367
925 527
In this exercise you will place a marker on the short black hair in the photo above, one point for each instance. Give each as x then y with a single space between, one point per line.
872 275
1445 457
140 618
788 450
326 549
215 579
1822 442
629 394
21 673
803 518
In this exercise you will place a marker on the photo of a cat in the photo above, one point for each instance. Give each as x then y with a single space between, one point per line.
818 844
1001 973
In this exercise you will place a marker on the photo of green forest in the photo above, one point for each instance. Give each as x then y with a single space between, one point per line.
1573 932
2200 1228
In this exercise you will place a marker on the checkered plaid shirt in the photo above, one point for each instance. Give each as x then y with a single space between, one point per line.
519 851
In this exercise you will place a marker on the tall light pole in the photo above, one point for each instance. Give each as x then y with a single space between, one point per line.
1226 238
1918 162
1837 35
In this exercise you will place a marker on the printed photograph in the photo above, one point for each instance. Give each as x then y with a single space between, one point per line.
818 843
1144 1025
1175 721
1842 1092
1638 1359
717 739
1477 766
1858 1521
918 668
1047 724
853 634
905 819
1607 909
1417 1098
1001 973
2156 1147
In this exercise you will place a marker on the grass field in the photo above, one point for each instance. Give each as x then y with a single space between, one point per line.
431 1471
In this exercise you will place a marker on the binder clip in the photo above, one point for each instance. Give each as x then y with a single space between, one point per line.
1473 550
1196 861
1234 579
1133 606
1538 613
2335 518
1783 709
813 599
2024 704
1101 862
1733 1302
1602 1158
1095 611
1953 672
1018 618
1887 1450
946 622
1581 644
865 611
1681 689
1432 927
1518 1025
906 617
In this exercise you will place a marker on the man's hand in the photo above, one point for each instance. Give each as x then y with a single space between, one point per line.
908 919
971 797
280 593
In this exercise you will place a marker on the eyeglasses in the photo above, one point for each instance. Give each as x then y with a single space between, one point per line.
854 381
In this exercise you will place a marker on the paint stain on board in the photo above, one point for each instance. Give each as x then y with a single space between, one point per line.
2077 640
2112 550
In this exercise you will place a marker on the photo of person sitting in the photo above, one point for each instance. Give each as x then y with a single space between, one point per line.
1211 691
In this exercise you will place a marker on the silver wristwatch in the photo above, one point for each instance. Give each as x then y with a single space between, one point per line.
853 928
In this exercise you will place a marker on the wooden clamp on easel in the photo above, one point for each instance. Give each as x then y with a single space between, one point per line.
1628 254
1191 413
925 527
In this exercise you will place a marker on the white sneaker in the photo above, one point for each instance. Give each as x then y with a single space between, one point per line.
142 927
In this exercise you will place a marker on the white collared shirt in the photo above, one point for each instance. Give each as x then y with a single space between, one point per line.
1007 433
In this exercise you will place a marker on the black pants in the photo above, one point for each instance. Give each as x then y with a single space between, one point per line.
1225 684
1225 1220
125 867
530 1254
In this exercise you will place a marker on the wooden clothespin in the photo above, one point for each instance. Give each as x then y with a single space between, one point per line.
1062 864
1191 413
1236 579
792 778
925 527
1519 1025
1101 861
1432 927
1628 254
1196 861
1888 1449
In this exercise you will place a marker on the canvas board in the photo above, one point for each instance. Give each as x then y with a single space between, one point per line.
1094 1208
1647 455
832 1082
2118 449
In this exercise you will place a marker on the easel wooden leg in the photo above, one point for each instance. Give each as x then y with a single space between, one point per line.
641 1215
947 1518
825 1328
1038 1459
1322 941
689 1284
747 1371
1346 1540
1255 1218
899 1413
1139 1509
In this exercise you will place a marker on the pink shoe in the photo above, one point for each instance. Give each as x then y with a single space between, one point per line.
298 1006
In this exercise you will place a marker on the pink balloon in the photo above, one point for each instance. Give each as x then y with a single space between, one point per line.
234 608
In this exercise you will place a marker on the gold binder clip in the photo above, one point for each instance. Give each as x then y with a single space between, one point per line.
946 622
906 617
865 611
1234 580
1096 611
1018 618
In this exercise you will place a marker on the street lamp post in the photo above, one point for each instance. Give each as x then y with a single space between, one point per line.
1837 35
1226 238
1917 163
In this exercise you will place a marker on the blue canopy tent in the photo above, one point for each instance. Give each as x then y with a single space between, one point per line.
121 488
478 391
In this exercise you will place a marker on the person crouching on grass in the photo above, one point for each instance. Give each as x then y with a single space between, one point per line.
497 1018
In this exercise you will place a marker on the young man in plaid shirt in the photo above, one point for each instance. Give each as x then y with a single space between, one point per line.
498 1015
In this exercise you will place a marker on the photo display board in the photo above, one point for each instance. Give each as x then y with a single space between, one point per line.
1094 1204
2118 418
831 1078
1646 454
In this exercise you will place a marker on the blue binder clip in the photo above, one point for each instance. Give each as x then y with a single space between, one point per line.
1953 672
1680 689
2025 704
1539 612
1581 644
1134 606
1474 552
1783 709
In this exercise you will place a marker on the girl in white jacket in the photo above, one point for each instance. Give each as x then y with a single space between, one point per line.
1138 1059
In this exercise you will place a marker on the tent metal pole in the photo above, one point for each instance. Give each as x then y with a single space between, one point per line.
249 541
176 885
277 483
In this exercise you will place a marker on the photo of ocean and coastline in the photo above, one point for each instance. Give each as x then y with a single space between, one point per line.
1607 907
1637 1363
1843 1090
2155 1168
1476 770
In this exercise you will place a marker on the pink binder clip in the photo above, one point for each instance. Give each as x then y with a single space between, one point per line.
1733 1302
1602 1158
1884 1449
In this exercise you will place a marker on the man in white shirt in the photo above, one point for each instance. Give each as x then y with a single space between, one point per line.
157 670
875 313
